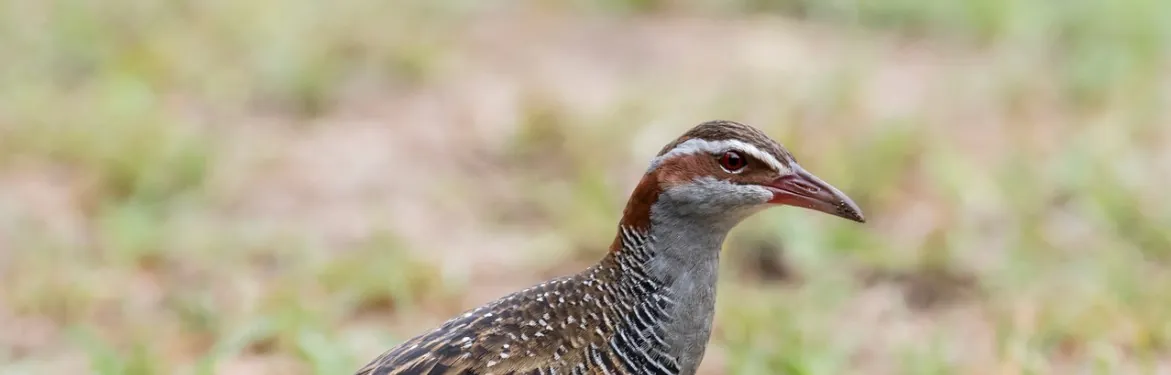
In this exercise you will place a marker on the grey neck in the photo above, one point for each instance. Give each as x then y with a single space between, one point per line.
687 240
681 248
685 259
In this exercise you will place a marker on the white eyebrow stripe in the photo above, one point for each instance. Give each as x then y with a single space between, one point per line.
696 145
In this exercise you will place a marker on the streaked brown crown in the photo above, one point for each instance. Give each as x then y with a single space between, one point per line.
718 130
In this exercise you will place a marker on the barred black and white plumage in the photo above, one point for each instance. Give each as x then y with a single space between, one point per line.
647 306
605 320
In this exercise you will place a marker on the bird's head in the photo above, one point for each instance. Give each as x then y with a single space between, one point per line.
724 171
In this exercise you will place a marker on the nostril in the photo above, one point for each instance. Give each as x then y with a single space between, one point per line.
810 188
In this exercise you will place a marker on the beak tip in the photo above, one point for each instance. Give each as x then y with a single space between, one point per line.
855 216
851 211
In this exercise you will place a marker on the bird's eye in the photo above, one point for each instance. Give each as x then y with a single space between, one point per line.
733 162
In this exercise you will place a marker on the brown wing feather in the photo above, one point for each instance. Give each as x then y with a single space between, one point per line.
518 333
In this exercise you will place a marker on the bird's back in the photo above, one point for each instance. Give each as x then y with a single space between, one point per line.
605 320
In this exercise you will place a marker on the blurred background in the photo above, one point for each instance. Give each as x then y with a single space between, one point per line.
262 187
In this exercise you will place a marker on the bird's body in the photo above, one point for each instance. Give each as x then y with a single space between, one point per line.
647 306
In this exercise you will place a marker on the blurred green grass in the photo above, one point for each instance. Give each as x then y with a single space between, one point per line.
1018 220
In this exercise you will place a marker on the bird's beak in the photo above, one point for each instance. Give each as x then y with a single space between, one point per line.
802 189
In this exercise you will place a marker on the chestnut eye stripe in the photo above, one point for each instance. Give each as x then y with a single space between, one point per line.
717 148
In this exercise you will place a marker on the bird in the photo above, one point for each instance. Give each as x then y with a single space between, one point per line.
647 306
